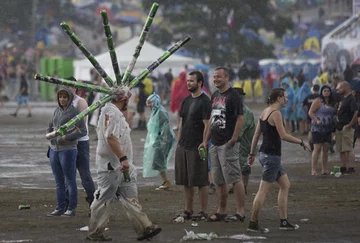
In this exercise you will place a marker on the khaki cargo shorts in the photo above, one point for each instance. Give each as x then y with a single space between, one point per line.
344 139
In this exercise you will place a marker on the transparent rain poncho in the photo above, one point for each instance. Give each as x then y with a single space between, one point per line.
160 140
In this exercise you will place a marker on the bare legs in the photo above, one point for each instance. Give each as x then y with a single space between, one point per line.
189 198
164 176
264 188
324 147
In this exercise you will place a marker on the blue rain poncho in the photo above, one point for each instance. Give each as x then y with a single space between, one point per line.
287 111
303 93
160 140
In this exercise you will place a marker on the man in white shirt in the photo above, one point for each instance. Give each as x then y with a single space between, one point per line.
114 160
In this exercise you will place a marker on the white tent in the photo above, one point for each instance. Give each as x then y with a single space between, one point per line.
149 53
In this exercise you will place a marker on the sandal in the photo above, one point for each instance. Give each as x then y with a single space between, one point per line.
200 216
186 215
149 233
218 217
234 218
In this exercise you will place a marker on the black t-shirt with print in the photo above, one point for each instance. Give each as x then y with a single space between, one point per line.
193 111
309 100
346 110
24 85
226 107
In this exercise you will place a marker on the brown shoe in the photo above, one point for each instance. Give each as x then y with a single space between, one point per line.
149 233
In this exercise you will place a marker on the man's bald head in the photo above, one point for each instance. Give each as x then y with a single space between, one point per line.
344 88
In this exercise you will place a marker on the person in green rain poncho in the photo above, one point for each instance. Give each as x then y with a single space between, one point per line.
245 138
160 142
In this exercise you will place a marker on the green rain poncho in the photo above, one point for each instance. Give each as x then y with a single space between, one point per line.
160 140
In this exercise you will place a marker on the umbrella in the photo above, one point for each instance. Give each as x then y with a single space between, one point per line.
293 43
129 19
201 67
308 54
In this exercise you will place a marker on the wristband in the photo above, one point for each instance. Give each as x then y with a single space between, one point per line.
123 158
302 142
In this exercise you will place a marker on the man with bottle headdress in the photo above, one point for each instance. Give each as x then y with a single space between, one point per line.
114 160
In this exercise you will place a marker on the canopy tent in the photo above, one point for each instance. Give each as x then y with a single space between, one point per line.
149 53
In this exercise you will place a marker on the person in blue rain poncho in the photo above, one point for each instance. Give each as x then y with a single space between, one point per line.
300 114
295 126
287 111
160 142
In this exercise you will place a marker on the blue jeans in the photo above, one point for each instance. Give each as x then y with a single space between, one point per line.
83 166
63 165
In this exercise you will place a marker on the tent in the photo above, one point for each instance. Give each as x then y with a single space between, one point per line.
149 53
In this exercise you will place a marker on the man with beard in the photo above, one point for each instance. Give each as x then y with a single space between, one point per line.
190 170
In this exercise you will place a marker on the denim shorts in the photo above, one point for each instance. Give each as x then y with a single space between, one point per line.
22 99
272 168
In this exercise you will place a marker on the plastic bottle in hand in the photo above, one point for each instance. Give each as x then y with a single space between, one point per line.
203 153
126 175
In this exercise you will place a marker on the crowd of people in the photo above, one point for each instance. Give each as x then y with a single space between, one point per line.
219 123
323 109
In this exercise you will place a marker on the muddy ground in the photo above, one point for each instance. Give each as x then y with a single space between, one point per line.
331 205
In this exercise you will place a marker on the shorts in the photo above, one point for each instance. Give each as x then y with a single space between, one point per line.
272 168
344 139
190 169
21 99
321 137
225 168
140 107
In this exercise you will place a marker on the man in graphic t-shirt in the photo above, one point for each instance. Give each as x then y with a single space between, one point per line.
227 118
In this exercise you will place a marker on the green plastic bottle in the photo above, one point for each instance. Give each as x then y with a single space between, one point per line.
126 175
203 153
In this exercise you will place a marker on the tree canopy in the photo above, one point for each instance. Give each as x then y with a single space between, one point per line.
206 22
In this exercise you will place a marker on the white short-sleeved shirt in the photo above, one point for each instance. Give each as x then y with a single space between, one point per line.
115 125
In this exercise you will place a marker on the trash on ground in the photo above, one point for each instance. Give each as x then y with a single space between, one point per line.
304 220
194 224
190 235
86 228
242 237
179 220
22 207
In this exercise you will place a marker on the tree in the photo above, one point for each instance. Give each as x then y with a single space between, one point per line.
206 22
16 14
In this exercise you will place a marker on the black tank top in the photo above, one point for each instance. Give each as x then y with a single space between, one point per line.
271 144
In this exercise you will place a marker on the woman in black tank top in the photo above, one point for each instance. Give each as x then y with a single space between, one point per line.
271 126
